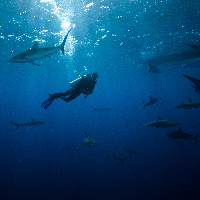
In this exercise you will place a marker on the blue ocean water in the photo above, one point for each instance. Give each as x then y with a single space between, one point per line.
116 39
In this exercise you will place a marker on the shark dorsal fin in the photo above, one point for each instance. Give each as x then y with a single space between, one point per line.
35 46
190 100
179 130
33 120
86 134
159 118
151 98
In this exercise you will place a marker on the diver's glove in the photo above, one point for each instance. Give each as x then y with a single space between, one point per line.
47 103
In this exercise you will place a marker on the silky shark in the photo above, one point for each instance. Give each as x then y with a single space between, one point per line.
188 105
30 123
88 141
119 159
182 135
36 53
101 108
150 102
160 123
176 57
195 81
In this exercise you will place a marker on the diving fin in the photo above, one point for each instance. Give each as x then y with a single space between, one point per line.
47 103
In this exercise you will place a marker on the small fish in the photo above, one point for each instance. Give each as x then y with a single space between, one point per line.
130 151
30 123
182 135
119 159
150 102
160 123
122 156
67 148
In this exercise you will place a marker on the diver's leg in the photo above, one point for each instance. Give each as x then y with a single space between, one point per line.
60 94
67 93
56 95
50 100
71 97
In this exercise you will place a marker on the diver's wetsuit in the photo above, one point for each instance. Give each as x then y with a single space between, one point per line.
85 85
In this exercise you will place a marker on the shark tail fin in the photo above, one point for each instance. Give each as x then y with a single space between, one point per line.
195 138
86 134
17 125
63 43
93 108
143 103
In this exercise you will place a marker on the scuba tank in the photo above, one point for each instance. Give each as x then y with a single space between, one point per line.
75 81
90 76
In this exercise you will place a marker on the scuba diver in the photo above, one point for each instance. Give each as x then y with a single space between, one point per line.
85 84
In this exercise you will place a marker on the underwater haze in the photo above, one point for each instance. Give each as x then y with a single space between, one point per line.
116 39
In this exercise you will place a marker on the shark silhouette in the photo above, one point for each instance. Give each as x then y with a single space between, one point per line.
150 102
195 81
176 57
188 105
161 123
30 123
36 53
182 135
88 141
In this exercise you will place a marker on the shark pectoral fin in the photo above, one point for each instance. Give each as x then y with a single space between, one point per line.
34 63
